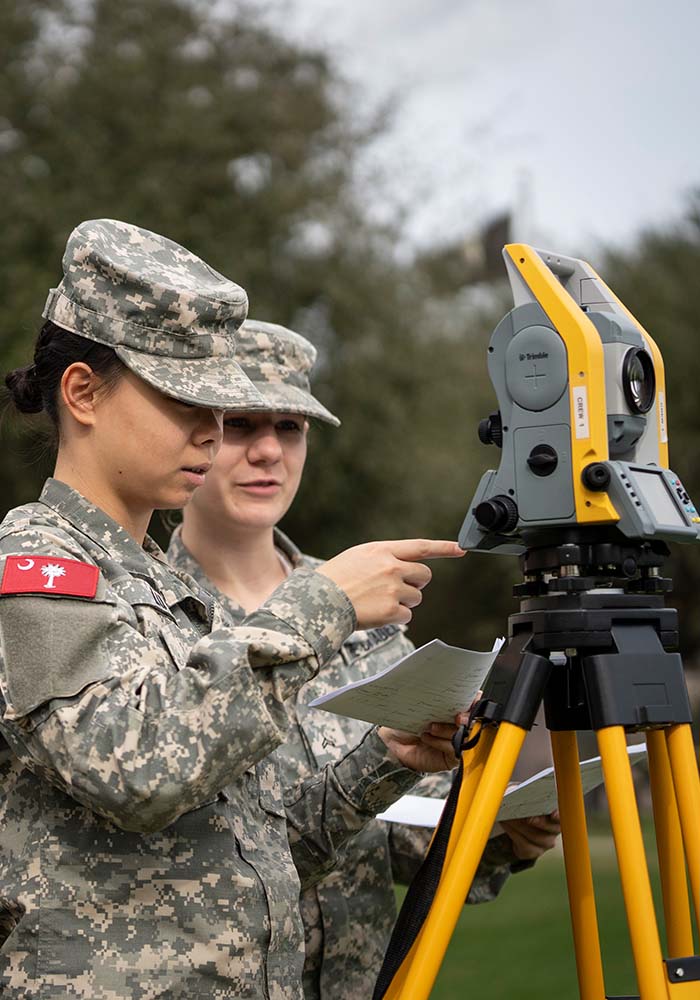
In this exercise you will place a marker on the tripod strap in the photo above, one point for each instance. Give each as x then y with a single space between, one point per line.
420 894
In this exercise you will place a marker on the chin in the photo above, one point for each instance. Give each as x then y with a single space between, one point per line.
261 520
174 499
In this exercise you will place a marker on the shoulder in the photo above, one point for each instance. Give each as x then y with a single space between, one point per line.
311 562
33 530
54 607
35 537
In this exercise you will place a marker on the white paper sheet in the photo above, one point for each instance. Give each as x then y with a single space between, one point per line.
431 684
414 810
536 796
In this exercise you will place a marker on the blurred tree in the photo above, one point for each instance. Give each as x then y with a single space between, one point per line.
219 132
216 132
225 137
241 145
656 280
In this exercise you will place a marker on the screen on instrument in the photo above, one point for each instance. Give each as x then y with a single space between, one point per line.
652 487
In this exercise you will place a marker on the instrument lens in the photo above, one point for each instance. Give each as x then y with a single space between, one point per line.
638 380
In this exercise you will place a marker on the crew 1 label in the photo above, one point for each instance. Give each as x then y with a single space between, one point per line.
579 395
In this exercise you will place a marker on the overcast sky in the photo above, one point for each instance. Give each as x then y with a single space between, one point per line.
584 116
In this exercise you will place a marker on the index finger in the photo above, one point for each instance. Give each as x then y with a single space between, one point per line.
413 549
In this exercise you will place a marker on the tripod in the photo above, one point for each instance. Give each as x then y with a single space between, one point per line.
591 641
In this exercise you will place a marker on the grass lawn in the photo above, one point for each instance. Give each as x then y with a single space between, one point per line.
521 948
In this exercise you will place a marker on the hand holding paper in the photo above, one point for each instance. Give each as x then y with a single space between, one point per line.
531 836
536 796
432 751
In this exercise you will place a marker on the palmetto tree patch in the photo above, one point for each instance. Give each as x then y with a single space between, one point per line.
36 574
51 571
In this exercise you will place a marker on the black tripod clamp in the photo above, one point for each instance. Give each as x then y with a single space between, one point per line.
513 693
483 712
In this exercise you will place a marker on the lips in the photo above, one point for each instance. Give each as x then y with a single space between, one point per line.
200 470
196 473
261 487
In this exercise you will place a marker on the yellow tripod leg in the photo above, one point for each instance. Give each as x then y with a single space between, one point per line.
669 845
577 861
473 762
631 860
459 874
684 769
473 771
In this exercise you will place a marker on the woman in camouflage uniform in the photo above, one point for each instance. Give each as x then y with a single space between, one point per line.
230 543
144 847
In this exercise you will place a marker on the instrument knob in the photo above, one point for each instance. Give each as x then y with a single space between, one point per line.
543 460
491 430
497 514
596 477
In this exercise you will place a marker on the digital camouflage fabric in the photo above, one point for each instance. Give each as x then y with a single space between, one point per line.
278 361
143 834
166 313
348 916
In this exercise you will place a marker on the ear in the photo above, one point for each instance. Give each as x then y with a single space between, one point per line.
79 390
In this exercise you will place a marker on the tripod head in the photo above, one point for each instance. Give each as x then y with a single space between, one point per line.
581 422
571 562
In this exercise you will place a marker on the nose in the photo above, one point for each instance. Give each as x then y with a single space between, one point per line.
210 427
265 448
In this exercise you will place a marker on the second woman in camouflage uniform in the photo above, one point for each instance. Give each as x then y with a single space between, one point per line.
230 543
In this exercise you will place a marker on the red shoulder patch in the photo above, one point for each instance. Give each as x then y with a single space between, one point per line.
46 575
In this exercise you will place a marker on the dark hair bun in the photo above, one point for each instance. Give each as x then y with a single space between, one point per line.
25 389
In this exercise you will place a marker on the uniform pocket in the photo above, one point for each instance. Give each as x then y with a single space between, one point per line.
176 644
269 781
65 653
155 620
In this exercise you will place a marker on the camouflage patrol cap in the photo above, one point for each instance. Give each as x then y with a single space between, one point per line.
170 317
278 362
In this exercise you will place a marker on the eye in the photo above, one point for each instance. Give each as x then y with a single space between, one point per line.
289 426
237 423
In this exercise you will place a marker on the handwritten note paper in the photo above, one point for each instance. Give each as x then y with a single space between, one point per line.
536 796
431 684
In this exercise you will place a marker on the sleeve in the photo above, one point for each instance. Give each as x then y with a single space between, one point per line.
408 846
97 708
327 809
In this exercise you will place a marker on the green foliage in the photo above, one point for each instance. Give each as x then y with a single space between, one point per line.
215 132
656 281
241 145
218 132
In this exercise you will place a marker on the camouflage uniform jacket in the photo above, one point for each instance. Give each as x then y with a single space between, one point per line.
144 847
349 916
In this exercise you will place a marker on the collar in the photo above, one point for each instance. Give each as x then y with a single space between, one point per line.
288 549
88 519
182 559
